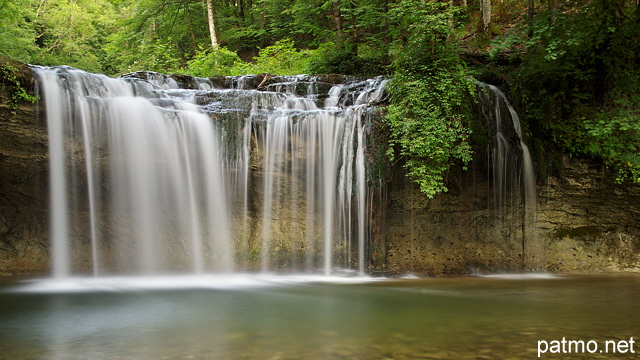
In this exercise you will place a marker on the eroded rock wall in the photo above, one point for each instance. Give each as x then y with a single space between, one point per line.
23 180
585 223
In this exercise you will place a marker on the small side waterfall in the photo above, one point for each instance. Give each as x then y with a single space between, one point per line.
511 172
154 174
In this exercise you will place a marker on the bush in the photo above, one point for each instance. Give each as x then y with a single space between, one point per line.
430 91
14 84
212 62
282 58
331 59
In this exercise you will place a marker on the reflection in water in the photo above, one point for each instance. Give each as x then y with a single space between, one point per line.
292 318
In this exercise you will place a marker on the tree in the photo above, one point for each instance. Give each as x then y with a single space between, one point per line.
212 25
157 35
73 32
337 20
485 10
17 33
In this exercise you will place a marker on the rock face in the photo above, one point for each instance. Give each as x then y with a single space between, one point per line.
588 223
23 179
585 223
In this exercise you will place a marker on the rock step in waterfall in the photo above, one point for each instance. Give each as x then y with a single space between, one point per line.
151 174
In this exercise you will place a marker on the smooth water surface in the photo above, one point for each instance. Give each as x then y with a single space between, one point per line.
259 317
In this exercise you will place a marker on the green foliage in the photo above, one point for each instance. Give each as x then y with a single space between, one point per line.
579 80
17 33
430 95
56 32
147 38
331 59
73 32
12 86
159 55
281 58
614 135
211 62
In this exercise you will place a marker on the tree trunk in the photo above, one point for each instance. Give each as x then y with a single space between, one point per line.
485 8
354 23
240 5
337 19
212 25
451 23
530 12
191 28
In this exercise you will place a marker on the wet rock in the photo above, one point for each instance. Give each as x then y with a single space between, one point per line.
23 179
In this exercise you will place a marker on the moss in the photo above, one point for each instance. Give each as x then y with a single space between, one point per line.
540 159
16 83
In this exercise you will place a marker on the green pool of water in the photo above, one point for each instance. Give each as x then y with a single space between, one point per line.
440 318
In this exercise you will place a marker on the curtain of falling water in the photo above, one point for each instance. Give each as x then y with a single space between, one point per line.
159 179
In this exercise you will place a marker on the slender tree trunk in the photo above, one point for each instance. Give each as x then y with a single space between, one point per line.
354 23
451 24
485 8
337 19
553 9
530 13
191 28
212 25
387 27
42 3
637 21
247 10
241 9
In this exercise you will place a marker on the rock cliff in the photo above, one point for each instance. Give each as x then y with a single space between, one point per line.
585 222
23 176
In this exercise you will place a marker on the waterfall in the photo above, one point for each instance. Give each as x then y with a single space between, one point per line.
511 170
151 174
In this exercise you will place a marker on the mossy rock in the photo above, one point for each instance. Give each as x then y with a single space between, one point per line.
16 83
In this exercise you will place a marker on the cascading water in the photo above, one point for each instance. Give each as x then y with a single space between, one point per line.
511 170
151 174
308 166
143 163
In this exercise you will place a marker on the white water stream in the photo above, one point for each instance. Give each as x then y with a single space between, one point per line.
150 178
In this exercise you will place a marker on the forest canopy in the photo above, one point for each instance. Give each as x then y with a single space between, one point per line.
571 65
118 36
